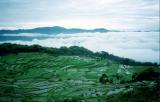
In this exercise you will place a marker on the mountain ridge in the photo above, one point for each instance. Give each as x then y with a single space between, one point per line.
53 30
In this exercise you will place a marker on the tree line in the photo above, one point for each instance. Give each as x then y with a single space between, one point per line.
8 48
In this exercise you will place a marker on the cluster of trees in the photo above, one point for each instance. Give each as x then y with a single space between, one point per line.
8 48
138 94
105 79
149 74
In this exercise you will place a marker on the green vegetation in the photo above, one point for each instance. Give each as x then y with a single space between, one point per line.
8 48
38 74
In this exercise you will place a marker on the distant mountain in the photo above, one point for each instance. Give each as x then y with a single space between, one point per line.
52 30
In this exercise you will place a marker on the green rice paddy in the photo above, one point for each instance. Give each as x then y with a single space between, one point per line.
40 77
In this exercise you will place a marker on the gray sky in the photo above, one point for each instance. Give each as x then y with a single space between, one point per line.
111 14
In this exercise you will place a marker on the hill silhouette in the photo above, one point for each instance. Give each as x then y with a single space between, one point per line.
52 30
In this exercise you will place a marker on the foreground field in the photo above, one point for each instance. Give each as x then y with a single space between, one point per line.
40 77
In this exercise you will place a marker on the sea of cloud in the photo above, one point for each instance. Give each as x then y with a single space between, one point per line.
140 46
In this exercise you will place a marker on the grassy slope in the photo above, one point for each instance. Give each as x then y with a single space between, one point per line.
42 77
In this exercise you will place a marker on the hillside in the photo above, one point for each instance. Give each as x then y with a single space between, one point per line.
8 48
47 77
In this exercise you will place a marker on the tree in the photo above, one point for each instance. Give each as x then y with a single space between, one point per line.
103 79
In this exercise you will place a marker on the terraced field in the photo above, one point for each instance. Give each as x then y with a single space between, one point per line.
40 77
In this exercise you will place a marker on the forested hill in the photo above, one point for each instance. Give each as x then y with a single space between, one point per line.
8 48
53 30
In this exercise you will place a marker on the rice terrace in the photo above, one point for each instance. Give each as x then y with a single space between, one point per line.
35 74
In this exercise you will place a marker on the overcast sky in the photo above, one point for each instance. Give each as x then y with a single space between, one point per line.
111 14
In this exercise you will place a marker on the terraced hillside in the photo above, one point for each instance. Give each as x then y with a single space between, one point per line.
41 77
